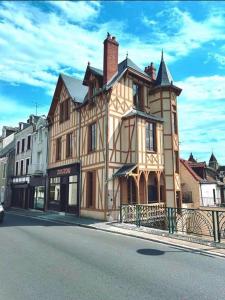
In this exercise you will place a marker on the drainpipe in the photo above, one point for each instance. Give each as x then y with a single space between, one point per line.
79 159
107 97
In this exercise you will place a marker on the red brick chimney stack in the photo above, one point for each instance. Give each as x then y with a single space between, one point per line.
110 60
151 71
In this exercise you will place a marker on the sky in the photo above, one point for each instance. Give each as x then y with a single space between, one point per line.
39 40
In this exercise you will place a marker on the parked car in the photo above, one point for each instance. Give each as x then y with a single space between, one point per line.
1 213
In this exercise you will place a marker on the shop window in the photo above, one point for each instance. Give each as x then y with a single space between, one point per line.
69 145
23 145
39 197
73 191
150 137
58 148
18 147
92 137
54 191
28 142
90 191
137 96
21 167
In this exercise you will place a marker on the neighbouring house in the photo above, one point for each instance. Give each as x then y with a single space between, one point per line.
200 184
113 138
39 162
22 190
7 155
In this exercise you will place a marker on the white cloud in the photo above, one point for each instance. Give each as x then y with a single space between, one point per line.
179 33
202 116
78 11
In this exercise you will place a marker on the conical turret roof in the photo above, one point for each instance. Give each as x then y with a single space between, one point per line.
213 158
163 77
191 158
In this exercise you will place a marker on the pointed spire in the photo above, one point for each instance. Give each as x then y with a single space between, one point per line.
213 158
163 77
191 158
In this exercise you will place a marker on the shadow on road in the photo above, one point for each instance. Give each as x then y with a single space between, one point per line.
150 252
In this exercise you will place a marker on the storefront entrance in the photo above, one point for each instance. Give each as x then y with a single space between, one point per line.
63 192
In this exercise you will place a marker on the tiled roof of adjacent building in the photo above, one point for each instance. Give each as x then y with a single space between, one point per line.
7 149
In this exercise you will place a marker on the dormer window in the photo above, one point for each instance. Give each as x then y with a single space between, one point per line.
137 96
92 89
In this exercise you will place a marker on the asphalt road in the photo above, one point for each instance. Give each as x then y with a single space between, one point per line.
43 260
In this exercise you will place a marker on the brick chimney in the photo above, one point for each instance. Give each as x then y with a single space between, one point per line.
110 62
151 71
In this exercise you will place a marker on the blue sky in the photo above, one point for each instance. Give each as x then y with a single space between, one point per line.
38 40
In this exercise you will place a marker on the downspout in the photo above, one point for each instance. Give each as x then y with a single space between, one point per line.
107 97
80 175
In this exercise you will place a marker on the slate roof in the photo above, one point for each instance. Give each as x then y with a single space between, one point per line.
141 114
212 158
124 170
75 88
122 67
164 77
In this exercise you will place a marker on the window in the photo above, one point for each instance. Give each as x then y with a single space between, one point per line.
150 137
54 193
90 194
18 147
92 137
21 167
23 145
92 89
58 148
137 96
28 142
69 144
61 112
27 165
174 122
17 168
4 171
64 111
187 197
176 162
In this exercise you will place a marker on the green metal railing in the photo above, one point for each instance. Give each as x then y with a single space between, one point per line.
203 223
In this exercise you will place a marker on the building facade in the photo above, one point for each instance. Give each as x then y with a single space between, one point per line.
21 189
113 138
39 162
201 185
7 156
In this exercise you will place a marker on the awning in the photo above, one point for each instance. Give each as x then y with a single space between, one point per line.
125 170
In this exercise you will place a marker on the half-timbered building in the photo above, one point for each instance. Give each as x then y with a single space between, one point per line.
113 138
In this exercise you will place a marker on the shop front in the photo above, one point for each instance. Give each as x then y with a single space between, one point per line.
63 189
21 192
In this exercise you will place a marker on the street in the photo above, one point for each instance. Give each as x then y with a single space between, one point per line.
46 260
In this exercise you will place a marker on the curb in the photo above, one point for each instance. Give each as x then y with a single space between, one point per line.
130 234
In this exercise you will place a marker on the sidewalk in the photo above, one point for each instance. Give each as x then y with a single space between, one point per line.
194 245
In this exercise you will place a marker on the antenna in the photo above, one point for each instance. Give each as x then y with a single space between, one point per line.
36 107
